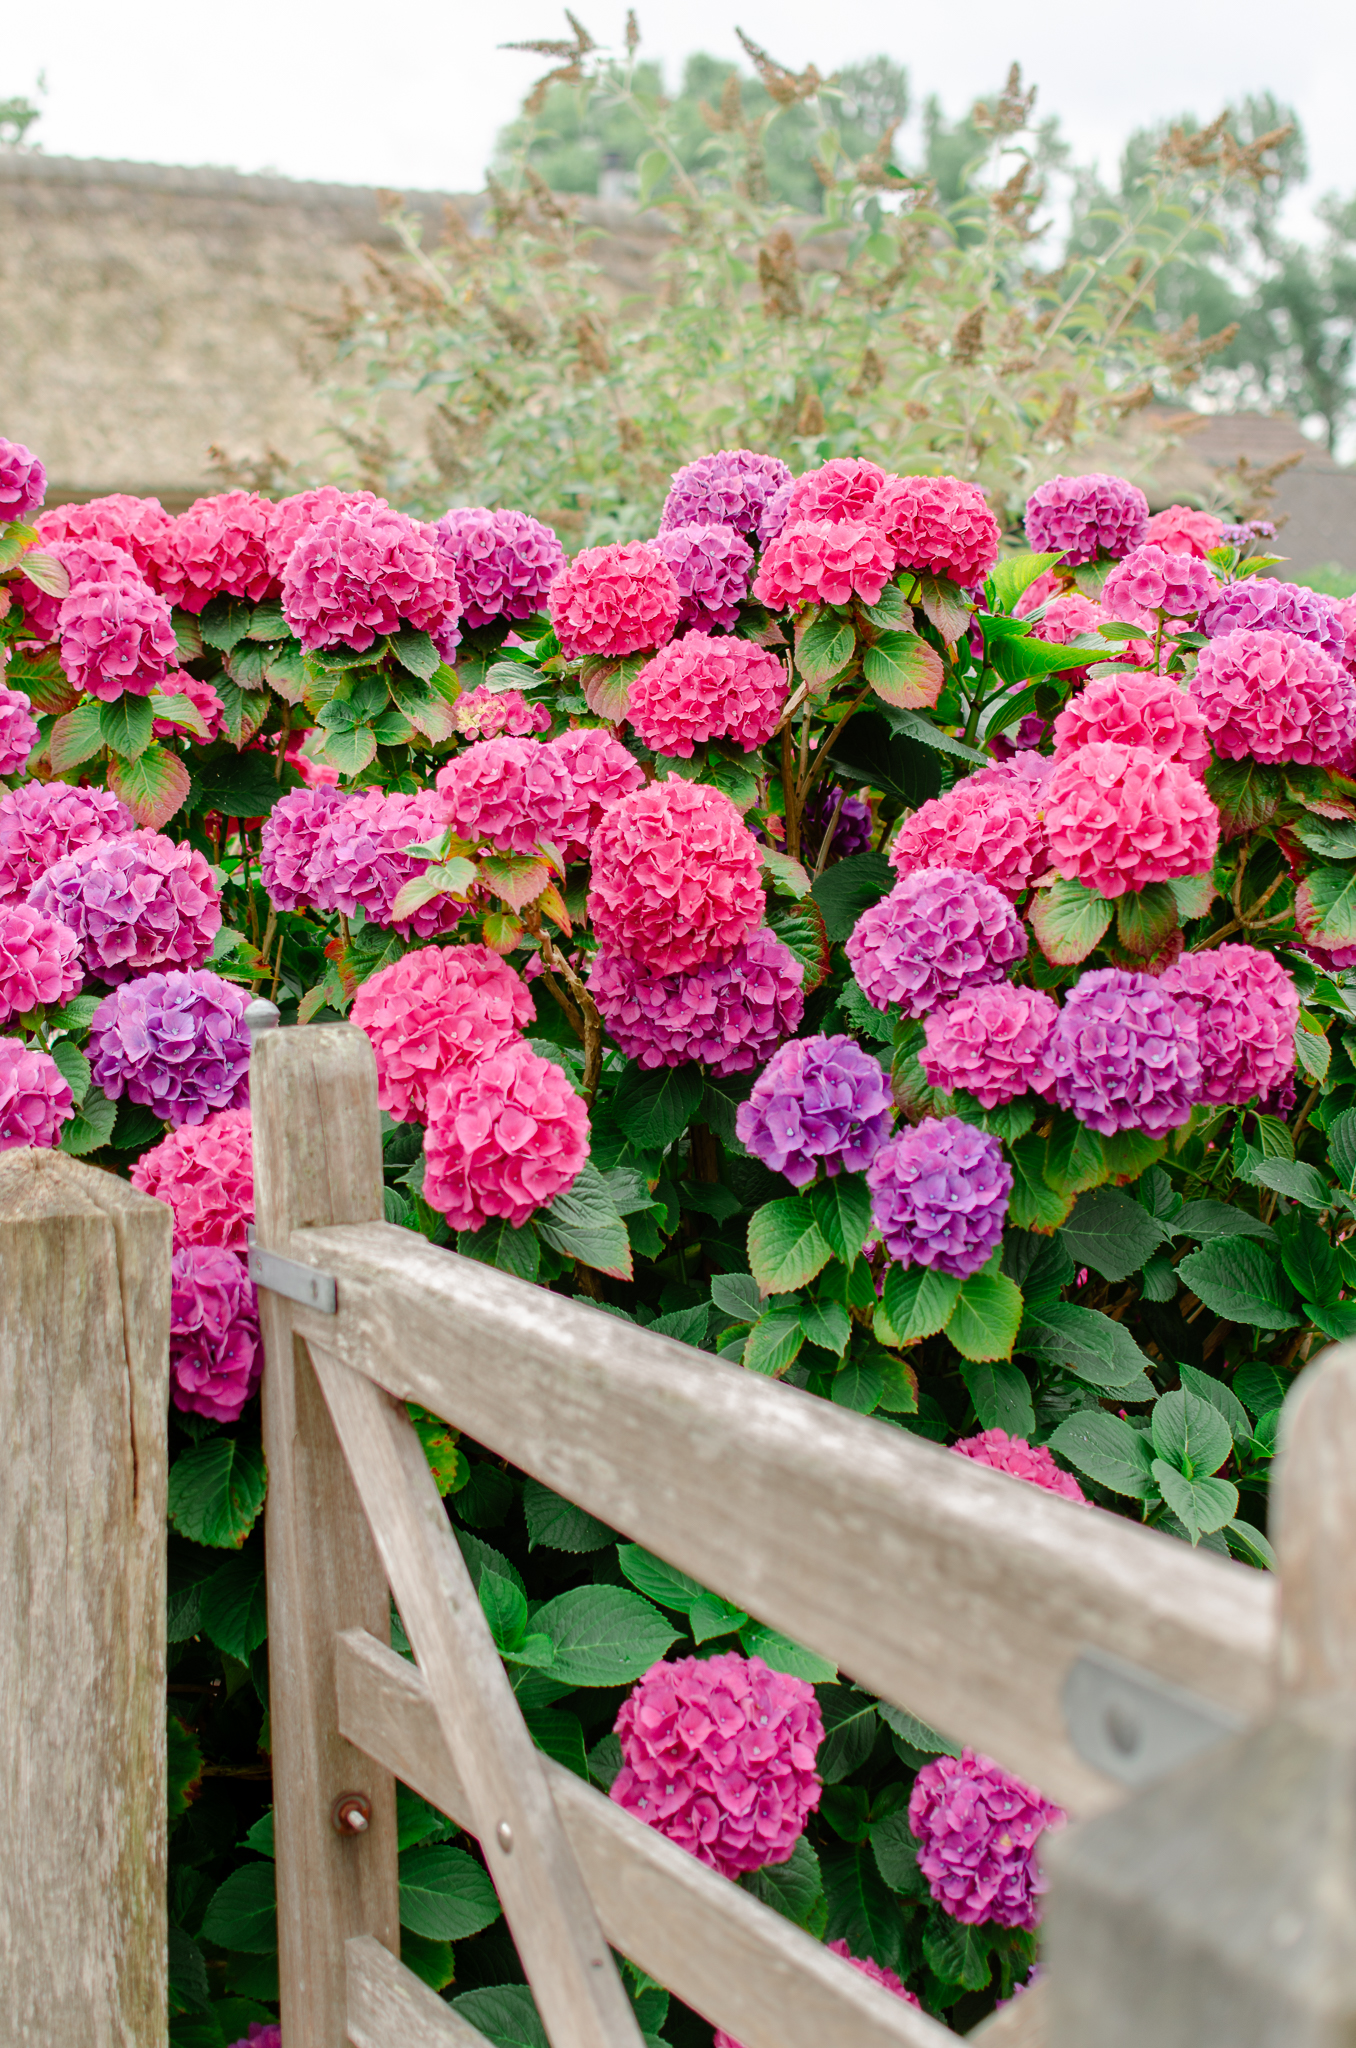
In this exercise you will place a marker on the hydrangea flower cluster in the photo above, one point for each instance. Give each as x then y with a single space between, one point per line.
614 601
703 688
1148 582
711 566
989 829
1118 818
220 546
733 487
304 509
135 903
1276 697
675 878
42 822
39 960
35 1096
820 1103
85 561
729 1014
435 1009
994 1042
176 1043
488 714
23 481
505 1135
1246 1009
116 637
18 730
1136 711
138 527
1181 530
287 843
719 1756
507 791
877 1973
1262 605
216 1359
939 1194
1082 517
203 698
260 2037
365 571
601 773
505 562
843 489
205 1172
940 930
359 860
818 561
939 526
1127 1056
1032 1462
978 1829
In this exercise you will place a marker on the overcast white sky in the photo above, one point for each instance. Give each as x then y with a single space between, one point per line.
411 94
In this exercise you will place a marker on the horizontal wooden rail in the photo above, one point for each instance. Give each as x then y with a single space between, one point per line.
388 2007
956 1592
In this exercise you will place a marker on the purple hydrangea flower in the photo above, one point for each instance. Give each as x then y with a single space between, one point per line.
287 844
777 512
939 1193
176 1043
216 1361
1264 605
18 730
360 862
728 1014
712 566
852 832
979 1829
938 931
1126 1055
819 1102
35 1097
23 481
992 1041
1081 517
505 562
730 488
134 904
271 2035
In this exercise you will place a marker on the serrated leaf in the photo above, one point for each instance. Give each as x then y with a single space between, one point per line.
736 1295
583 1223
891 609
181 711
657 1580
905 670
775 1340
1246 793
153 787
424 707
1325 906
1236 1279
603 1635
1014 574
76 737
92 1125
243 1912
782 1654
606 685
1190 1433
848 888
786 1246
793 1888
1293 1178
44 570
824 644
444 878
1312 1053
1193 895
350 751
1201 1505
445 1894
918 1300
1145 918
216 1491
710 1616
224 622
1113 1234
73 1068
1075 1157
842 1209
1001 1395
1205 1220
957 1954
1087 1343
504 1606
416 652
800 928
1222 1398
786 875
1069 921
827 1324
1108 1450
1308 1257
126 725
515 878
1033 1203
506 2014
859 1384
862 1908
988 1314
233 1604
556 1524
654 1107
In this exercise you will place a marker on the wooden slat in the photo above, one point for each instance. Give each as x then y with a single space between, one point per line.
388 2007
732 1959
1024 2022
1313 1525
560 1944
959 1593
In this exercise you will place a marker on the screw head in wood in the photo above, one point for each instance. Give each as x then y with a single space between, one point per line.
351 1813
503 1834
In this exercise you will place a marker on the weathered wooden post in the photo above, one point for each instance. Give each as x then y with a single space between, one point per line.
84 1369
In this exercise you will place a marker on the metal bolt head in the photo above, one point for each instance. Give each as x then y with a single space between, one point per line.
351 1813
503 1834
260 1015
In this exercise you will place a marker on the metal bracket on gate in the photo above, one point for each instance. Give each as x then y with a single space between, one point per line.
306 1284
1133 1725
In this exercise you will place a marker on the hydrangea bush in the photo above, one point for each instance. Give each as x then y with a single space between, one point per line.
830 932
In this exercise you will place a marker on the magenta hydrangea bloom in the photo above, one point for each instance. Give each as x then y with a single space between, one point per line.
877 1972
614 601
675 877
711 566
298 514
506 562
488 714
719 1756
1260 604
819 1103
1118 818
728 1014
1004 1453
176 1043
1344 611
35 1097
1246 1008
601 773
364 571
733 487
1136 711
116 637
989 829
1081 517
39 960
505 1135
978 1829
216 1358
260 2037
939 526
816 561
85 561
1050 584
41 822
360 861
205 1172
704 688
287 844
18 730
939 931
220 547
512 792
939 1194
1181 530
994 1042
1276 697
1126 1055
138 527
1148 581
23 481
852 829
203 698
437 1008
844 488
134 904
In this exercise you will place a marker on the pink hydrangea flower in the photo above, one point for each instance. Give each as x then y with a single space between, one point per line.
711 566
1136 711
18 730
437 1008
1049 584
512 792
39 960
178 1043
1081 517
877 1972
116 637
994 1042
203 698
41 822
134 904
287 844
506 1134
940 930
260 2036
1118 818
35 1098
23 481
304 509
990 829
1263 604
206 1174
219 547
1276 697
703 688
506 562
1181 530
719 1756
85 561
601 773
734 487
360 862
216 1358
1246 1008
614 601
1014 1454
844 488
1149 582
1344 611
978 1829
139 527
365 571
675 877
730 1014
488 714
939 526
815 561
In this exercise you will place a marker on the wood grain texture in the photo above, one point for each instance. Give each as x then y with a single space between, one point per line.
732 1959
1313 1523
317 1156
546 1903
84 1367
957 1592
388 2007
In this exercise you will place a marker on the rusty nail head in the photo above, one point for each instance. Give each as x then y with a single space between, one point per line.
352 1813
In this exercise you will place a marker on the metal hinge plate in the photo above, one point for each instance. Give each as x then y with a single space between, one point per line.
306 1284
1133 1725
